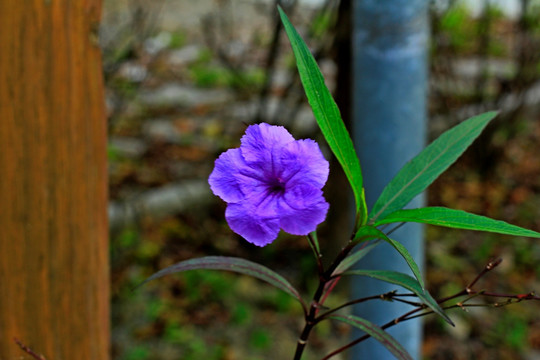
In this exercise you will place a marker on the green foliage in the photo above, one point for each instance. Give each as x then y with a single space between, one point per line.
531 18
421 171
457 26
526 255
212 75
327 116
458 219
496 49
408 283
175 334
137 352
203 286
247 79
154 309
124 87
260 339
238 265
510 329
193 346
460 30
368 232
178 39
495 12
241 314
321 24
485 249
127 238
280 301
207 73
207 76
112 154
123 243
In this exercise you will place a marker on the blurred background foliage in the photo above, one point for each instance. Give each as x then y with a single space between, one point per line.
183 81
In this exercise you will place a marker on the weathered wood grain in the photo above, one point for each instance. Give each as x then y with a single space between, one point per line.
54 291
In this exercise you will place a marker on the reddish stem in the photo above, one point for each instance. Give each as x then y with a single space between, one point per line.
29 351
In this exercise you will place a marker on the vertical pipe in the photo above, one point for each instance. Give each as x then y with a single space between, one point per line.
390 42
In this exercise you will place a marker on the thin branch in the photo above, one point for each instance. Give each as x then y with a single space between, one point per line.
464 306
468 289
389 296
395 228
317 253
489 266
520 297
330 285
29 351
415 313
324 279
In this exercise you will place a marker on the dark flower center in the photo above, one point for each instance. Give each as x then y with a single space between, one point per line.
277 186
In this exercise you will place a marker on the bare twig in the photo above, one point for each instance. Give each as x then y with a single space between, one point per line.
317 253
489 266
29 351
389 296
416 312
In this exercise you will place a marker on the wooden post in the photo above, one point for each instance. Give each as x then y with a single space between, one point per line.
54 289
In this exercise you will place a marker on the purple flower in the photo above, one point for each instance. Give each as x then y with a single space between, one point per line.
272 181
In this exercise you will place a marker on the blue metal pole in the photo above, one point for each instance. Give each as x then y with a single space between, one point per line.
390 44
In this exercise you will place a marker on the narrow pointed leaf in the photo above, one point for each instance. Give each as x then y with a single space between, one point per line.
406 281
369 232
377 333
353 258
421 171
233 264
458 219
327 115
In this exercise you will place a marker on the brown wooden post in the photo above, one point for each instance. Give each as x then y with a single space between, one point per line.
54 290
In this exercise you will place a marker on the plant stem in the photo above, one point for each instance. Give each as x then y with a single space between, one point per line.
324 278
310 319
317 253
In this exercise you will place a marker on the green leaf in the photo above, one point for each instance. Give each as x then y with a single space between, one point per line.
327 116
421 171
458 219
406 281
377 333
353 258
369 232
233 264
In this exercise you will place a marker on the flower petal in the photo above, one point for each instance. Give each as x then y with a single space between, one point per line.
224 178
232 178
259 229
259 142
303 163
302 209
